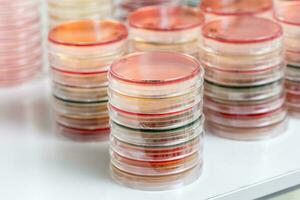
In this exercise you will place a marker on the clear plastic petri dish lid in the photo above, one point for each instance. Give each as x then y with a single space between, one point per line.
80 109
224 8
291 43
241 36
293 73
161 121
256 133
241 63
155 168
158 137
293 101
79 79
292 87
244 93
86 63
244 108
80 94
292 58
155 105
165 24
156 183
157 153
155 74
83 135
288 15
190 48
77 121
245 78
247 120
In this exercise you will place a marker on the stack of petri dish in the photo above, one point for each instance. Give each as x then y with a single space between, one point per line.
155 106
80 54
162 28
223 8
288 15
125 7
20 41
244 88
68 10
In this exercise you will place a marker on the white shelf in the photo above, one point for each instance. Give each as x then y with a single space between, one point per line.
36 163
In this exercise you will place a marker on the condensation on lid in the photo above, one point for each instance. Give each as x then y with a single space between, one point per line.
88 33
235 7
155 68
244 29
164 18
289 13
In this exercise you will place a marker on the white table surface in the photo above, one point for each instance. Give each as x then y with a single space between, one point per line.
38 164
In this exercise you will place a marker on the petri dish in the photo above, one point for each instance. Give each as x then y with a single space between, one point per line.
156 183
125 7
155 121
155 168
240 63
155 74
156 153
80 94
65 10
256 133
155 105
87 45
190 48
287 14
80 79
245 107
292 58
165 24
244 93
247 120
158 137
80 109
222 8
85 122
293 104
292 87
83 135
241 36
245 78
292 73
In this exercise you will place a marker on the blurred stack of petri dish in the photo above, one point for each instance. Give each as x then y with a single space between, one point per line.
288 15
125 7
223 8
80 54
155 106
162 28
68 10
244 87
20 41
